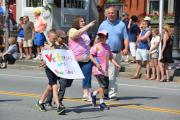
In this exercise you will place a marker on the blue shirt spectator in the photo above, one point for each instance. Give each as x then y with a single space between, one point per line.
133 32
2 10
144 44
125 19
116 33
21 32
117 40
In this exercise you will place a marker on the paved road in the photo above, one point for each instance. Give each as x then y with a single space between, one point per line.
138 99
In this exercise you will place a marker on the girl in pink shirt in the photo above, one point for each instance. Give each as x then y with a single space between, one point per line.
100 54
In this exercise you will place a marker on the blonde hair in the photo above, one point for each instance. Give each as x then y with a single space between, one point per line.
12 40
37 11
156 31
52 31
166 27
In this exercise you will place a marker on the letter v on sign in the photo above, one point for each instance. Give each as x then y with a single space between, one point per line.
49 57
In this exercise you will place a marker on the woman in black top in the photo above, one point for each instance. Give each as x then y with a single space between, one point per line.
166 53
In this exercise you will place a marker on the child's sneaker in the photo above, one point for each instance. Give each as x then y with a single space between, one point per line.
41 107
61 104
106 97
103 106
61 110
93 99
48 105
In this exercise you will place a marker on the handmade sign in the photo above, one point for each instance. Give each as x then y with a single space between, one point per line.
62 63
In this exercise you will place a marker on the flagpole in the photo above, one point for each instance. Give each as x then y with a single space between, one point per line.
161 7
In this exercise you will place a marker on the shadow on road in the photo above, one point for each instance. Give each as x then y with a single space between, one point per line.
86 118
175 74
82 108
11 100
121 105
136 97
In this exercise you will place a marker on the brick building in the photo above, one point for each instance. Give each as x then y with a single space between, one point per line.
140 8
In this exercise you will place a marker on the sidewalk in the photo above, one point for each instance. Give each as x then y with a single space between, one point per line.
127 69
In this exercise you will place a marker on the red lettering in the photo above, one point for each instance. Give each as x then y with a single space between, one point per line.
49 57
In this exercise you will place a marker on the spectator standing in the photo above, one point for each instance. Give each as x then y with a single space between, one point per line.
148 20
125 19
40 26
142 52
2 22
11 23
2 9
117 38
2 12
79 43
154 54
20 37
166 55
133 31
28 37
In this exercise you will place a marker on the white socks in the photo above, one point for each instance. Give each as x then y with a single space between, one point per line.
101 100
95 93
40 102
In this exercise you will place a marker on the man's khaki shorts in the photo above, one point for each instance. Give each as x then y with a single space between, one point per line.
28 43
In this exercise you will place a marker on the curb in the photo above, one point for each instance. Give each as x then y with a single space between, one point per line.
127 70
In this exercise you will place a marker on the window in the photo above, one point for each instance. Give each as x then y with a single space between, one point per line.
10 1
68 18
78 4
57 3
34 3
113 1
154 7
119 6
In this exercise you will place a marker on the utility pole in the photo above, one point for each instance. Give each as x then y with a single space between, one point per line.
161 8
6 25
176 47
2 24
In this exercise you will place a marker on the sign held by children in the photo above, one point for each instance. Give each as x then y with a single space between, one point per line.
62 63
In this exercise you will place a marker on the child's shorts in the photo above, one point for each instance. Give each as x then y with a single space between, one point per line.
102 80
20 39
154 55
51 76
39 39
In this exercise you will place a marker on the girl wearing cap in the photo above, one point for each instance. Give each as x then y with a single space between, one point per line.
79 43
40 26
20 37
100 55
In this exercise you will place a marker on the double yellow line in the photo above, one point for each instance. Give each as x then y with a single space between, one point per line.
111 103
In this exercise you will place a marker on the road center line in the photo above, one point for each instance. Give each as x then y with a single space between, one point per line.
111 103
